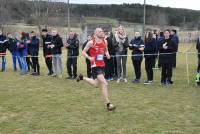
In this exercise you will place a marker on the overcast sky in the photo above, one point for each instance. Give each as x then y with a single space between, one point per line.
189 4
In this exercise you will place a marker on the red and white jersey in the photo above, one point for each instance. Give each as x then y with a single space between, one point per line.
97 51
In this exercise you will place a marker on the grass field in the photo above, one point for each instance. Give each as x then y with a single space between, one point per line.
46 105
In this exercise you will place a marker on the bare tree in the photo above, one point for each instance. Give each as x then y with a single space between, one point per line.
37 14
159 18
68 15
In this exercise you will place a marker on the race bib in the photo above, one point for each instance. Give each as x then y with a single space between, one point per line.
99 57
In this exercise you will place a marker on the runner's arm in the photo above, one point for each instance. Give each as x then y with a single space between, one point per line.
106 50
85 50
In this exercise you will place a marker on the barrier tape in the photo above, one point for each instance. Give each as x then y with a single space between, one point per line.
130 55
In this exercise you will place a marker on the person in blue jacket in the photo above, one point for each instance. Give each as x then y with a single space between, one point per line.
175 39
150 53
159 41
12 43
22 52
34 51
137 47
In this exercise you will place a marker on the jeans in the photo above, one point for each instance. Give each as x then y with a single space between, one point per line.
57 63
24 69
121 61
3 63
16 58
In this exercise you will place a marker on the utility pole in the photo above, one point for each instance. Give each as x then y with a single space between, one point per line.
144 19
68 16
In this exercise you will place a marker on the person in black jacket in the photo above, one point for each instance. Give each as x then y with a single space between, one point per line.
56 47
89 70
198 67
47 51
12 43
26 39
72 45
3 48
150 53
109 63
167 49
34 51
137 47
159 41
198 50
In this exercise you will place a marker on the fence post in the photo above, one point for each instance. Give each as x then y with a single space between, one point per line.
187 67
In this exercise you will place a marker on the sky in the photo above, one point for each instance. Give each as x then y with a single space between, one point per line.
188 4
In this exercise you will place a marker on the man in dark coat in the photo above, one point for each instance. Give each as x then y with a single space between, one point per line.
47 51
72 46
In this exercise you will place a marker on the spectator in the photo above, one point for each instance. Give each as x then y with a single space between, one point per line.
3 48
198 68
120 43
160 40
26 40
34 51
198 50
150 53
72 45
109 63
47 51
56 47
89 71
137 47
12 42
175 39
22 53
156 37
167 49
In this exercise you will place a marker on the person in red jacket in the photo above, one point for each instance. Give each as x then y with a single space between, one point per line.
97 49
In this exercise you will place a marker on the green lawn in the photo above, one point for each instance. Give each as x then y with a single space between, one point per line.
45 105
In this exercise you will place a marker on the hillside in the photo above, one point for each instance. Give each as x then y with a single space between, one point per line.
55 13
